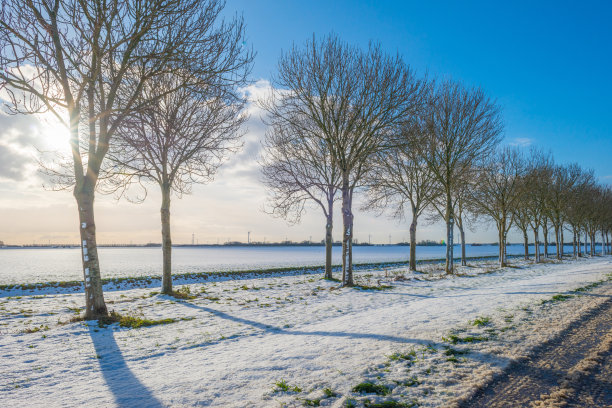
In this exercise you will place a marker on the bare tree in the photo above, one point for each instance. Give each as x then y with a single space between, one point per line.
86 62
463 126
399 178
563 179
497 192
574 213
296 169
521 213
536 189
463 210
355 99
186 135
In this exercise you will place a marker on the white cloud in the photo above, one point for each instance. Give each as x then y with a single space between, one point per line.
521 142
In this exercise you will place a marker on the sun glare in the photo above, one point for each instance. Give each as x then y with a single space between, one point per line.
55 136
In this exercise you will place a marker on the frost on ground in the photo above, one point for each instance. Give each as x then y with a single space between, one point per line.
293 340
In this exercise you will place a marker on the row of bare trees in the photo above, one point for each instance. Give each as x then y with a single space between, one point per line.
150 90
356 118
342 119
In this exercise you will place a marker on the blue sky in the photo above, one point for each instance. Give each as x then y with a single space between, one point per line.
548 64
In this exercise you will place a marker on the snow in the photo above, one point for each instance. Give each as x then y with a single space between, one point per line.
239 337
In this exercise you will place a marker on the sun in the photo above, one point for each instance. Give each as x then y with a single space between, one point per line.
54 135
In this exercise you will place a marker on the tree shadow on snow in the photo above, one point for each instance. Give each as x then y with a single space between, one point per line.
383 337
127 389
280 330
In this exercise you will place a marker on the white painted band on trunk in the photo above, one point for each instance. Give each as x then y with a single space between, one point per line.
86 258
86 271
85 250
84 243
84 225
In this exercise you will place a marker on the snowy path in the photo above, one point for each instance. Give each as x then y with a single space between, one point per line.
558 370
240 340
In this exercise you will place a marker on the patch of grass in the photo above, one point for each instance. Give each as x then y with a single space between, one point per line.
183 293
592 285
312 402
481 321
430 348
390 404
377 287
282 386
557 298
329 393
332 279
454 339
350 403
35 329
371 388
410 382
212 298
454 352
403 356
131 322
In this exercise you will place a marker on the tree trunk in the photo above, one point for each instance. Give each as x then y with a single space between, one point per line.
449 235
574 243
562 243
95 307
347 234
500 230
462 234
603 247
166 240
592 251
328 245
545 231
526 244
586 239
536 244
413 227
557 236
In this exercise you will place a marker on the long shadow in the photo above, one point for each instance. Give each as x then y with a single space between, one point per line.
127 390
279 330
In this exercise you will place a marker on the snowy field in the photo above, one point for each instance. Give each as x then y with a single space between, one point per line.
426 338
33 265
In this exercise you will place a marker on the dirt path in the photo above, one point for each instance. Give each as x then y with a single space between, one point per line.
572 370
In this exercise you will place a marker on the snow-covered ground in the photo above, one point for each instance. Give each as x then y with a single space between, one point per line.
238 338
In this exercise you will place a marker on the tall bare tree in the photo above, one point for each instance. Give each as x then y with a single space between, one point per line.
497 192
355 98
521 213
186 135
563 179
463 127
574 213
400 179
86 62
536 181
296 169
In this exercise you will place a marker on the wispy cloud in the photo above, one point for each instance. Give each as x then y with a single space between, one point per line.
521 141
